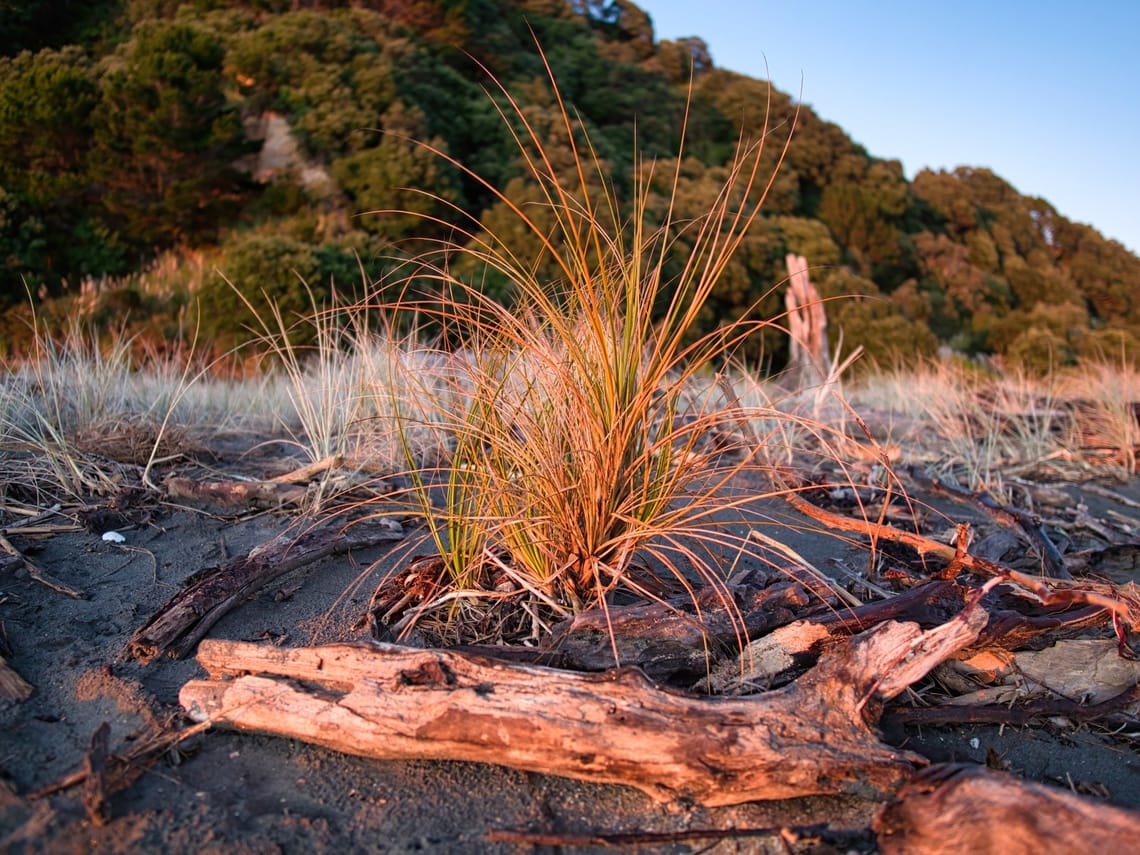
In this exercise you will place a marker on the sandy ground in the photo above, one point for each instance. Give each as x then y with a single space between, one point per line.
229 792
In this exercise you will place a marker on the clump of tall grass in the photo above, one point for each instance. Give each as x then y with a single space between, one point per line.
1104 403
339 377
978 424
580 458
76 407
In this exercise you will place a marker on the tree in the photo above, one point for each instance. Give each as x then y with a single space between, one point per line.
48 231
166 137
400 186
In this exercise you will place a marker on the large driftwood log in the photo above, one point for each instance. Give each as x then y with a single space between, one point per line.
187 616
953 809
388 702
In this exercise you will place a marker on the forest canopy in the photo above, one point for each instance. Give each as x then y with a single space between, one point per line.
150 148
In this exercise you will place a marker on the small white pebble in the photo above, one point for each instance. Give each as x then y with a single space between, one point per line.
975 743
113 537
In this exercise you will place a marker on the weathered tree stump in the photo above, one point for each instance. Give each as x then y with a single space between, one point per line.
808 359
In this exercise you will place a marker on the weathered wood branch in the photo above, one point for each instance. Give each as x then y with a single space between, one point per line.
1007 713
1123 601
94 770
669 639
1052 562
388 702
20 563
235 494
186 618
13 687
952 809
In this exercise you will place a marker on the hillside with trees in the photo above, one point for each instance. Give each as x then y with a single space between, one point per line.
157 155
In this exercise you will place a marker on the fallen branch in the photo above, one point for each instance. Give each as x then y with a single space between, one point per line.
185 619
952 809
840 839
122 770
1019 714
669 639
1052 562
1123 601
388 702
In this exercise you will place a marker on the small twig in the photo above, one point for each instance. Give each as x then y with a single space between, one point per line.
1053 563
95 772
1014 715
123 766
1106 493
39 575
33 530
306 473
821 833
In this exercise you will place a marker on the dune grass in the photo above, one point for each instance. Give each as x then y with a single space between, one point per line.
977 425
580 462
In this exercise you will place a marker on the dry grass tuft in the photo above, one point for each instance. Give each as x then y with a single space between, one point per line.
976 425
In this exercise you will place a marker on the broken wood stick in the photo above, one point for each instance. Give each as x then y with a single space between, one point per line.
1052 562
21 562
838 839
951 809
94 770
813 736
187 616
13 687
235 494
1008 713
1123 601
680 636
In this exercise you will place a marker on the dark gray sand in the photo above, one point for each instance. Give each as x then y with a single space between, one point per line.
230 792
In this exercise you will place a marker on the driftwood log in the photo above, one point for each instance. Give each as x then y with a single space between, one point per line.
814 736
187 616
951 809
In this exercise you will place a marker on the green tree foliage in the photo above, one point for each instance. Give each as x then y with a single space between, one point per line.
400 186
331 74
46 227
132 139
258 272
166 137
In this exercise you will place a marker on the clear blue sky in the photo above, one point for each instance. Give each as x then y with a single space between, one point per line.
1046 94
